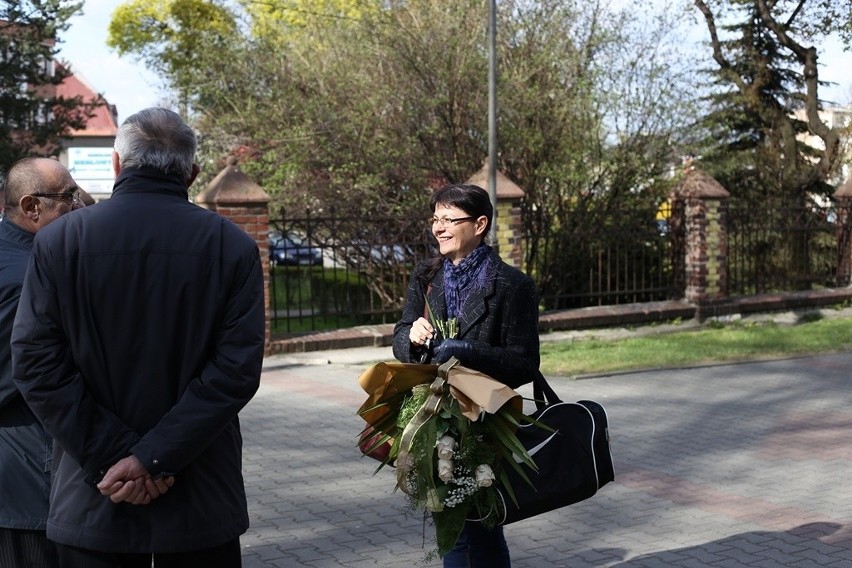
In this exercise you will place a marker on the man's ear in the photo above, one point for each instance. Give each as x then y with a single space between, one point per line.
29 206
196 169
116 165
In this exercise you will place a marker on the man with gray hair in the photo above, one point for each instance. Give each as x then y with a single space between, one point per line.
36 192
139 338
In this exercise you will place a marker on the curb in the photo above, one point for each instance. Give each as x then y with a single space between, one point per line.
600 319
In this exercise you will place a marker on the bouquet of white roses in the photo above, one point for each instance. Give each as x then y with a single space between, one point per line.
452 432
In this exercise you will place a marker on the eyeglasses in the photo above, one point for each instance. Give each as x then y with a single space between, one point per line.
71 196
447 221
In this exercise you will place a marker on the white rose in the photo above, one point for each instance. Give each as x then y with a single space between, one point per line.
446 445
484 475
433 502
445 470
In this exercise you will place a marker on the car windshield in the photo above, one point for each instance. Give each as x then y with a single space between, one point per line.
290 241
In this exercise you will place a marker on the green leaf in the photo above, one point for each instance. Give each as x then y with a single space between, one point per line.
448 527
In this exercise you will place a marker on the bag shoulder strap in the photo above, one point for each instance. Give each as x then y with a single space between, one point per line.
543 392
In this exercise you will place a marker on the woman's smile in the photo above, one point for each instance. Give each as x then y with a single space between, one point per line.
456 232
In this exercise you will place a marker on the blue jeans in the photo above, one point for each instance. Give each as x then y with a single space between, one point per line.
478 547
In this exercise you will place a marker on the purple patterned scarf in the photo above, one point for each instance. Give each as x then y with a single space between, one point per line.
462 279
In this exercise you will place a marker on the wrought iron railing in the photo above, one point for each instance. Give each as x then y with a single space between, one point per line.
777 247
349 271
603 258
343 270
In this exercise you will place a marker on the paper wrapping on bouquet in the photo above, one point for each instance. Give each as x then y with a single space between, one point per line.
475 392
385 383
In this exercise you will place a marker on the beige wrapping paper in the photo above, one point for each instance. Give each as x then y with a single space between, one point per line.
383 380
475 391
478 393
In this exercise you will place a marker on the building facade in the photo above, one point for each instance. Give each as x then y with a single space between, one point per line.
87 153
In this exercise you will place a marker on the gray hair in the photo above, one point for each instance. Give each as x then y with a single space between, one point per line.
156 138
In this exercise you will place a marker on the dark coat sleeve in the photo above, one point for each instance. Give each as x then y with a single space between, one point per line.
414 308
8 305
403 350
45 374
228 381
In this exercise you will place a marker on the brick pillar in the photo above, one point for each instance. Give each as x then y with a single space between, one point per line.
843 197
705 206
510 228
233 195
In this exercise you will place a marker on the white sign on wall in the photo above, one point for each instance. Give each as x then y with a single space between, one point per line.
91 168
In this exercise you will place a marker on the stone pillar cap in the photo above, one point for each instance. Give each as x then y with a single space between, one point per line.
231 187
506 188
700 184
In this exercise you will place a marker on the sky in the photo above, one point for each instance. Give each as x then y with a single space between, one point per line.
124 82
129 86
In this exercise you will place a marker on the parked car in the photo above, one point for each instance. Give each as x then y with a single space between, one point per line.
290 250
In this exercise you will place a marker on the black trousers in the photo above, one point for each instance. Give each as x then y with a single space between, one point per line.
224 556
26 549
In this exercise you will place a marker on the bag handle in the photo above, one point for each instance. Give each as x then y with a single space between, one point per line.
543 393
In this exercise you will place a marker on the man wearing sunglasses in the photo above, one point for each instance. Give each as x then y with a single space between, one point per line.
37 191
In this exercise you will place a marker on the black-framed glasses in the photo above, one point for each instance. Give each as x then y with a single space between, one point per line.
71 196
447 221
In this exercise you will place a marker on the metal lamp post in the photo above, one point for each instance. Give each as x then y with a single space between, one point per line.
492 113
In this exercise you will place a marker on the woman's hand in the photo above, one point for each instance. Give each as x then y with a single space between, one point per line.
458 348
421 332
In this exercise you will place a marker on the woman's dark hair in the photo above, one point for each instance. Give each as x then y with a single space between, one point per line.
471 199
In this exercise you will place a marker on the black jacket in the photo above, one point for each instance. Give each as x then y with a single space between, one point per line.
501 321
25 448
140 330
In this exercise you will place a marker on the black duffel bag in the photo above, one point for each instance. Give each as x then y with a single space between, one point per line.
573 460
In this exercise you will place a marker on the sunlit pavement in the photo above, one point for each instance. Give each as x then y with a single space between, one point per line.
730 465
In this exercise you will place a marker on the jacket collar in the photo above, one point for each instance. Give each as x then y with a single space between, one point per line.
149 180
12 233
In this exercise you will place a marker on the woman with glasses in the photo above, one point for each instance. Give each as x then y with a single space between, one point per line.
469 304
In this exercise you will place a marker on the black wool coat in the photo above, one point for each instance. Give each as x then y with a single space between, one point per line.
25 448
500 320
140 330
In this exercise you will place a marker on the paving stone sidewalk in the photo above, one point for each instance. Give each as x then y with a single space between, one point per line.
745 465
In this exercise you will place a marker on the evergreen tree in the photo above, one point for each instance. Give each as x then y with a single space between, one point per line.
33 117
765 100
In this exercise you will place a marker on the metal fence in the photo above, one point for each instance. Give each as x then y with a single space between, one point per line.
335 270
339 271
595 258
777 247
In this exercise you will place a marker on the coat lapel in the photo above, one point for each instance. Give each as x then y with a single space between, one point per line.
435 298
474 308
